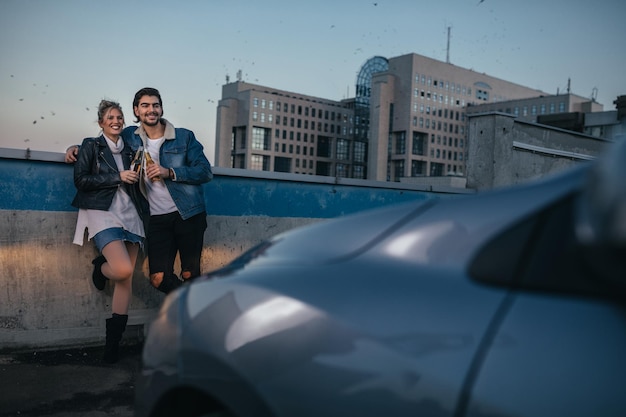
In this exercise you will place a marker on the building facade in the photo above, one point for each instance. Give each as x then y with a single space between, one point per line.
418 120
262 128
534 108
409 118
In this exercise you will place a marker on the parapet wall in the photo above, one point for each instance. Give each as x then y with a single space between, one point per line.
47 298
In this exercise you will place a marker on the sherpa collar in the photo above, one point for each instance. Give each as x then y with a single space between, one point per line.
170 131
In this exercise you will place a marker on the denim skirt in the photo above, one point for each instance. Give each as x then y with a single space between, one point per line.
106 236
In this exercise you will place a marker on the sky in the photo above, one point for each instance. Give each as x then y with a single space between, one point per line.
59 58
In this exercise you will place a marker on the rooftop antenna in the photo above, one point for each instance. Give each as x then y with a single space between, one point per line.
448 48
239 75
569 85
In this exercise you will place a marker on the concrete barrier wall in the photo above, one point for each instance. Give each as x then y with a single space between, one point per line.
507 151
46 295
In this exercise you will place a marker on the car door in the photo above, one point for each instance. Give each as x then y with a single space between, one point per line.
560 344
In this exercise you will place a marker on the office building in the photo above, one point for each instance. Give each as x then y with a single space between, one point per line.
262 128
408 119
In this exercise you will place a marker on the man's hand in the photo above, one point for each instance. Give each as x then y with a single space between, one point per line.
70 154
156 172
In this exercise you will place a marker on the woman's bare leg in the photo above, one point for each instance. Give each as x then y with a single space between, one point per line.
119 267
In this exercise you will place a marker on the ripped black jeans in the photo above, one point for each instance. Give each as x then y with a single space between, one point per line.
169 235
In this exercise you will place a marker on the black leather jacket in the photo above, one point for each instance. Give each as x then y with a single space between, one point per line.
97 178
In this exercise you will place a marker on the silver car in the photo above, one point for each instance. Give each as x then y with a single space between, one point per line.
503 303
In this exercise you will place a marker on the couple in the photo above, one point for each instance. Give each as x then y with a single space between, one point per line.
116 201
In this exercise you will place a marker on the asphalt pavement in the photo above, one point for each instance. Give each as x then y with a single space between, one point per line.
68 383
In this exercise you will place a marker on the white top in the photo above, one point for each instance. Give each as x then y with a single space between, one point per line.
159 197
122 212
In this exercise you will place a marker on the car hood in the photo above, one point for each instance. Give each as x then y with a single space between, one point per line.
444 230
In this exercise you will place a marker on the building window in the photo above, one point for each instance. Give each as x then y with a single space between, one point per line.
255 102
398 170
436 169
419 143
400 143
341 170
342 149
260 138
359 152
259 162
323 146
282 164
418 168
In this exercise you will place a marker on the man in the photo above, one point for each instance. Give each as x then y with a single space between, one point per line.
173 187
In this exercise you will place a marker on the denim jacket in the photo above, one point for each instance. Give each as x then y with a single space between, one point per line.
182 152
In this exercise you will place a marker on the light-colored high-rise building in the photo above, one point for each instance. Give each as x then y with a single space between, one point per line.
262 128
408 119
418 124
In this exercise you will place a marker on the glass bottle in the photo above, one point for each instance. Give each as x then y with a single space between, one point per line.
150 161
135 165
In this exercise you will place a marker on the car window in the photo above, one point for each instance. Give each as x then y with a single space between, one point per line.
541 253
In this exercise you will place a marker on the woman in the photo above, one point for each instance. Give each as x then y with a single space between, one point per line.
111 208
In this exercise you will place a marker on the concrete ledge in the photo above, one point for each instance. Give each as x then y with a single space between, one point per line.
47 298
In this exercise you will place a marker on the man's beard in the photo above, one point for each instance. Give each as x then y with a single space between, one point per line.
150 123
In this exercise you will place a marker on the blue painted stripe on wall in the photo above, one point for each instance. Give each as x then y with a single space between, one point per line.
36 185
261 197
49 186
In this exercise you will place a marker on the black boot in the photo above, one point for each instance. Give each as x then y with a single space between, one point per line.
98 278
115 327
